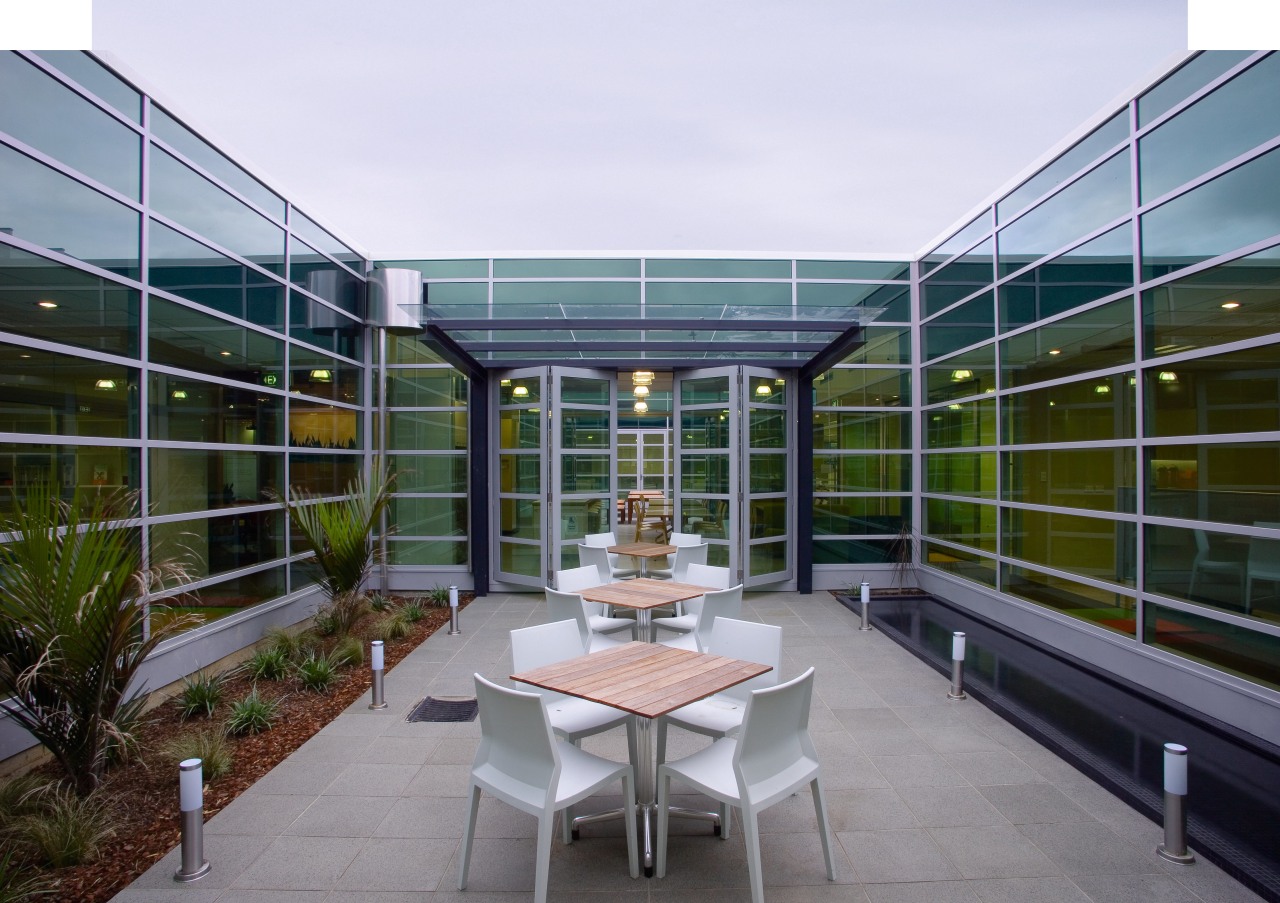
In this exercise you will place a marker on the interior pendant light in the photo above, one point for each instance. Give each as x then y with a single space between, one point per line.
640 407
520 392
640 391
763 390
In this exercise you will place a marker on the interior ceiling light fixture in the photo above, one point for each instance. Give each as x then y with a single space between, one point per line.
1230 305
763 390
1167 376
520 392
1102 389
322 376
1055 351
225 353
640 407
640 391
106 385
958 375
642 377
47 305
179 394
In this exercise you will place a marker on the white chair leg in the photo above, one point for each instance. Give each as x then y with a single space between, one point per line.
542 864
824 828
468 834
664 819
726 819
751 838
629 813
662 741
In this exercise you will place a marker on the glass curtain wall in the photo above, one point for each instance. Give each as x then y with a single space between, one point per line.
1099 376
202 349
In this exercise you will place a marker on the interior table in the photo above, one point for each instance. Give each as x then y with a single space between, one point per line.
644 595
644 551
646 680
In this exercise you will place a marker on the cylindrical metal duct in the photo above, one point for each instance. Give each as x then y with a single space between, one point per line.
391 290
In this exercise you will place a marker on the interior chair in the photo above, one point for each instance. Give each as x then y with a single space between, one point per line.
684 556
717 603
721 715
521 763
572 607
653 515
605 563
571 718
772 756
1205 564
571 580
1263 563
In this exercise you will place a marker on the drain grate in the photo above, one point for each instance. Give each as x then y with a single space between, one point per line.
457 708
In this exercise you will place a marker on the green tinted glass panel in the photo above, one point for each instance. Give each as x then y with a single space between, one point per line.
961 473
837 300
883 345
427 430
584 429
584 390
767 390
1093 340
429 517
768 429
961 424
958 279
63 395
430 473
439 552
198 273
189 410
768 558
213 161
704 390
98 79
1092 201
449 293
957 242
520 473
1101 140
964 523
1235 209
405 350
324 426
1189 78
87 468
704 429
553 268
42 206
312 271
210 603
197 479
321 376
856 431
323 326
215 545
716 294
853 551
1227 303
323 474
1072 412
1090 546
426 388
1101 607
767 518
972 372
183 337
1100 479
1233 483
1226 393
861 473
443 269
768 473
1207 567
520 429
1236 650
584 473
520 390
968 324
881 515
321 238
1212 130
713 269
53 119
863 388
1093 270
90 312
853 269
578 517
613 298
960 563
520 518
704 473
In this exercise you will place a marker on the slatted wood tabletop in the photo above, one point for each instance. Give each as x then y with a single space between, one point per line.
642 678
643 593
643 549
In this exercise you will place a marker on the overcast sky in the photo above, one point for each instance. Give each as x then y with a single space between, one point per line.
434 127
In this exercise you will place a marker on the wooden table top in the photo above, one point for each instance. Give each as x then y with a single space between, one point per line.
642 678
643 549
643 593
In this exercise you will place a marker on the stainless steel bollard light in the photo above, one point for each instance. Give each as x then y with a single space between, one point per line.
191 804
377 661
866 606
454 629
957 666
1174 848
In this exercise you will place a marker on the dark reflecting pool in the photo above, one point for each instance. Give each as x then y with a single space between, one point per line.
1115 732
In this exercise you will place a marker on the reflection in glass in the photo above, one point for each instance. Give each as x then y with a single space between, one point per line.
549 268
704 390
520 428
701 474
768 473
961 473
183 337
860 516
964 523
1072 412
322 376
1190 77
846 387
520 473
853 551
1225 393
525 389
707 268
1103 608
961 424
852 269
213 161
323 474
411 516
1101 140
70 467
323 278
199 479
1100 479
584 473
228 597
314 323
585 429
1231 483
1093 340
584 390
968 324
704 429
430 473
323 426
957 242
427 430
767 517
215 545
198 273
188 410
960 563
1091 546
61 395
1236 650
524 559
677 295
861 473
319 237
882 345
860 430
768 429
972 372
91 74
438 552
767 558
958 279
841 300
1093 270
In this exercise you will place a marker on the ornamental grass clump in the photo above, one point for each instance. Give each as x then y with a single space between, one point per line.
271 663
62 828
317 673
251 715
209 745
200 694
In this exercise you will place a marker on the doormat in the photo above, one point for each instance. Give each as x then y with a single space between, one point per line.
457 708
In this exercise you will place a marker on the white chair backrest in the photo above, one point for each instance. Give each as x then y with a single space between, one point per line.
573 579
1264 554
686 556
516 742
750 642
720 603
707 575
684 539
545 644
603 540
569 607
595 557
774 735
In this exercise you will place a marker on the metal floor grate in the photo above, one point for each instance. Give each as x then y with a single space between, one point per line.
444 709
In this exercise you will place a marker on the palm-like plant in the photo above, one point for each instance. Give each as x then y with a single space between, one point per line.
341 530
73 613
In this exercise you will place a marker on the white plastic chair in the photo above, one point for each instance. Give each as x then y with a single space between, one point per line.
772 756
680 561
571 607
521 763
708 575
1263 563
571 718
721 715
571 580
604 562
718 603
617 571
1205 563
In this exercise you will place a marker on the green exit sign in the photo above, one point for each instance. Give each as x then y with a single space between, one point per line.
270 379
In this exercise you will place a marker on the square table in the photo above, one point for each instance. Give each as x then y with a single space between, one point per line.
643 594
647 680
644 551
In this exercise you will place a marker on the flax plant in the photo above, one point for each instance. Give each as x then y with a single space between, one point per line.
73 613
